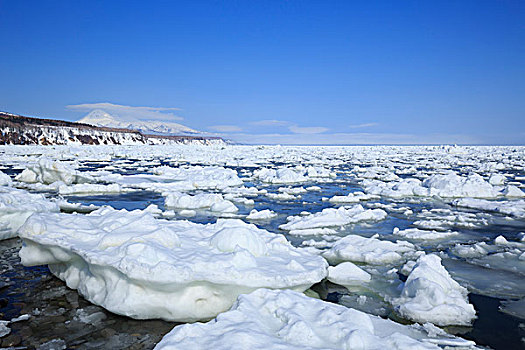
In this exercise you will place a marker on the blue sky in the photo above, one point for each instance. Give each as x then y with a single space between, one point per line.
277 71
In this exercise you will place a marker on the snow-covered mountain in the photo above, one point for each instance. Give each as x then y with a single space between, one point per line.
99 117
19 130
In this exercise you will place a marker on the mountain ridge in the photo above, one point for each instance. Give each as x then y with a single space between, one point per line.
99 117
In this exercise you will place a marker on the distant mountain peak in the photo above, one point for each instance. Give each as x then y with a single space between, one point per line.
99 117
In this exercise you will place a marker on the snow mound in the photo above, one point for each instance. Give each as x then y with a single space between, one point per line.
272 319
135 265
368 250
16 206
47 171
431 295
331 217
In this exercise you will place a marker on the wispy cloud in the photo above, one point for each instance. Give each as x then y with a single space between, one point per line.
270 122
225 128
364 125
130 112
307 129
353 138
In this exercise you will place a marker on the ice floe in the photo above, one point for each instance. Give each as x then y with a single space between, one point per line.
47 171
347 273
271 319
331 217
265 214
369 250
135 265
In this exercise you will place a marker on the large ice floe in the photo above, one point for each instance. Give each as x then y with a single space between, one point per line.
273 319
431 295
16 206
135 265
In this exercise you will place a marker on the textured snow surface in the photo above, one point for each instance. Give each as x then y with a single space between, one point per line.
431 295
16 206
135 265
272 319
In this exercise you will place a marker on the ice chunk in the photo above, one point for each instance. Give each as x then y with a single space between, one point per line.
369 250
47 171
212 201
417 234
135 265
88 189
347 274
453 185
4 329
431 295
273 319
265 214
5 180
209 177
512 208
279 176
443 185
16 206
354 197
512 191
497 179
331 217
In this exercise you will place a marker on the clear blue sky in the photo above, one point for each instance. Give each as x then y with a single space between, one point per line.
320 71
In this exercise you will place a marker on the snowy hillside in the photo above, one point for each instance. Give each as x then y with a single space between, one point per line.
20 130
99 117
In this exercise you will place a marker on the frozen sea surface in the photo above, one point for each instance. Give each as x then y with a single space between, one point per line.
455 202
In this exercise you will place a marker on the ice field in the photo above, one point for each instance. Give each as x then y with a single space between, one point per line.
263 247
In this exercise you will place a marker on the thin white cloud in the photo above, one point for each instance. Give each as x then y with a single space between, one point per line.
130 112
270 122
307 129
364 125
352 139
225 128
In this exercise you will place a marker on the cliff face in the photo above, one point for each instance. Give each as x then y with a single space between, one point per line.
20 130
